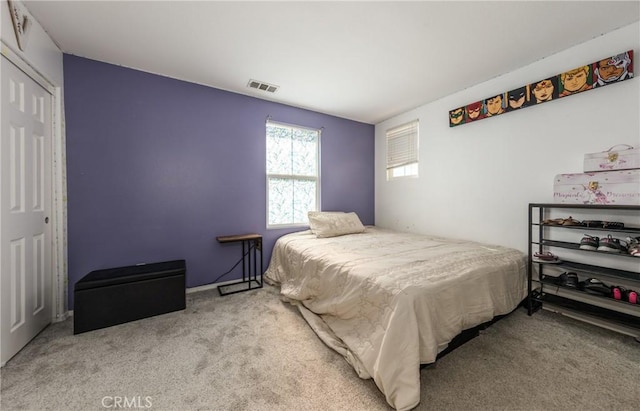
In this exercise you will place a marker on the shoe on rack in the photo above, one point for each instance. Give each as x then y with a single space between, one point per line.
562 221
595 286
568 280
616 291
612 225
634 246
545 257
592 223
571 221
612 245
621 293
589 242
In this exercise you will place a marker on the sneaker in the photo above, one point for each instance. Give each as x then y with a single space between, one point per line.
611 245
634 246
589 243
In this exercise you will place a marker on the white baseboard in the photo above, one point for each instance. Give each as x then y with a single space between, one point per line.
202 288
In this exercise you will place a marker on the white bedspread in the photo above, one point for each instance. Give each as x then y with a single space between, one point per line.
389 301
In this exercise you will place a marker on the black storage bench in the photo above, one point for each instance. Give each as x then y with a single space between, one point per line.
118 295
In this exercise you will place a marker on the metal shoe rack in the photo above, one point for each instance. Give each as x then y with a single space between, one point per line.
615 269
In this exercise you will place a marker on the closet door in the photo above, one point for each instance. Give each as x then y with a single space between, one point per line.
25 206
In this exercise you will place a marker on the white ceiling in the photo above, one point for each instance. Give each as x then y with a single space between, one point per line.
365 61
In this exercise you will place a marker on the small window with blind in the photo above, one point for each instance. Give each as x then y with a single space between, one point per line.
402 151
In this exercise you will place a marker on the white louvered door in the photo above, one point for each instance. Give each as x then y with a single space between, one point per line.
25 206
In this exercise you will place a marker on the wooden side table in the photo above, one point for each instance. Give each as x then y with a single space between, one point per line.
250 281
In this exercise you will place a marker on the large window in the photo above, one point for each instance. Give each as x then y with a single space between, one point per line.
293 170
402 151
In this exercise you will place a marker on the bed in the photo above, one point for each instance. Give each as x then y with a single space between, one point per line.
391 301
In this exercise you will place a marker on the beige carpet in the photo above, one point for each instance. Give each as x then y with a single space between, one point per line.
250 351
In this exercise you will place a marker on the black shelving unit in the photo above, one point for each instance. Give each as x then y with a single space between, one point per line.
544 290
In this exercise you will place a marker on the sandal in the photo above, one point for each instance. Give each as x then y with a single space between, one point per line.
612 225
571 221
546 257
553 221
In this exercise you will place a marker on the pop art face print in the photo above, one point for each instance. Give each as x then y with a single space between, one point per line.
456 117
518 98
475 111
495 105
575 81
544 90
613 69
584 78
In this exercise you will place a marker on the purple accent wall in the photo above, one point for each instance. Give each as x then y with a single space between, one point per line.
157 168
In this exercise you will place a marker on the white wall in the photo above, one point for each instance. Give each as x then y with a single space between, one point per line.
476 180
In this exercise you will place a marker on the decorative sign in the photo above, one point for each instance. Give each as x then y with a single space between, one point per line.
601 73
21 23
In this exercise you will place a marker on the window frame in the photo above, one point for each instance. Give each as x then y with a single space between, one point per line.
409 131
317 178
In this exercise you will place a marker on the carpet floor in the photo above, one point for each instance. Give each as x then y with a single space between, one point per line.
251 351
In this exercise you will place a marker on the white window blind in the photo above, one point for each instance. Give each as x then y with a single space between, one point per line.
402 148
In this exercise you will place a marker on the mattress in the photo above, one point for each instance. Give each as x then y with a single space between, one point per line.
390 301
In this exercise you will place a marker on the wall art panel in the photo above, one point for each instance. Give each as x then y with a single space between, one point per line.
588 77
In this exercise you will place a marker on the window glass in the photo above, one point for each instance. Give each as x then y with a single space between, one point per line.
293 184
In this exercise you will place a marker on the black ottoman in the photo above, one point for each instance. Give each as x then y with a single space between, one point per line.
118 295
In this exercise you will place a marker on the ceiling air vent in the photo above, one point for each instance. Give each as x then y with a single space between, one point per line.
261 85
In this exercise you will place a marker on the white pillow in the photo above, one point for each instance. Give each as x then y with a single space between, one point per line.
333 224
317 213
